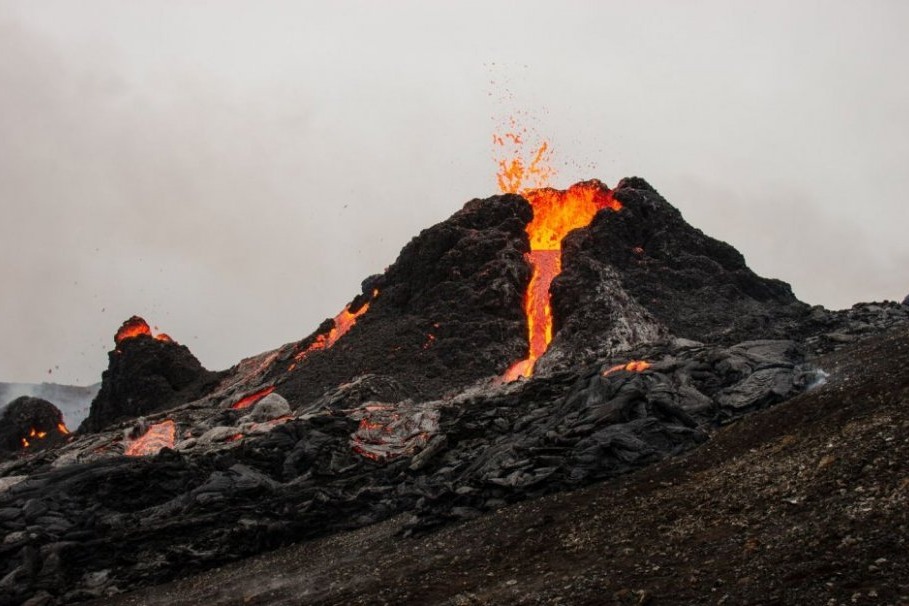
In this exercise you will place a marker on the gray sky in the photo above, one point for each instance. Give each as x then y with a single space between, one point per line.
232 170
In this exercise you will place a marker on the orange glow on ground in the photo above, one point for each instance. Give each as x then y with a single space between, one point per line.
555 214
158 436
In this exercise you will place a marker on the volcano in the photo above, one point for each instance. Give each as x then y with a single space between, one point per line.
536 342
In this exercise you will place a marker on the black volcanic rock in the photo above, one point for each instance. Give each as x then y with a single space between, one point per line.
30 423
448 311
641 273
146 374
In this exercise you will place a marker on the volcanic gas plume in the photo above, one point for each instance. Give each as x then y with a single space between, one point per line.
555 213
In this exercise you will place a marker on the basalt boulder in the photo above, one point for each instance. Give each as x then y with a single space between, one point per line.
30 424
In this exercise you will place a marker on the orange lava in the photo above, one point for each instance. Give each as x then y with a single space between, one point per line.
633 366
136 327
133 327
252 398
158 436
62 428
344 321
555 214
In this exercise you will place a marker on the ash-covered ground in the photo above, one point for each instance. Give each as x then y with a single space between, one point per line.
397 439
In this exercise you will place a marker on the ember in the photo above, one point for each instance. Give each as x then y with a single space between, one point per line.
158 436
555 214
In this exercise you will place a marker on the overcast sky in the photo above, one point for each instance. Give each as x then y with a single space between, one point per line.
231 171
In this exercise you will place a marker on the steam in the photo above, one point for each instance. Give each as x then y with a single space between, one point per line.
818 380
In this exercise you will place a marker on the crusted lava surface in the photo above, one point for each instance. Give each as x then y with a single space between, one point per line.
402 420
805 503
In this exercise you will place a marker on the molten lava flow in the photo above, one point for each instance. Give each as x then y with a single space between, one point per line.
344 321
158 436
62 429
633 366
252 398
136 327
555 214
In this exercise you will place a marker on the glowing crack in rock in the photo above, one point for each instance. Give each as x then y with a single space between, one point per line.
252 398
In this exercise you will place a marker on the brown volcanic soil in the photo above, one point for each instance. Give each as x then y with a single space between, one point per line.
804 503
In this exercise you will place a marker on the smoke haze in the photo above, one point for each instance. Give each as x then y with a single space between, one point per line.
231 171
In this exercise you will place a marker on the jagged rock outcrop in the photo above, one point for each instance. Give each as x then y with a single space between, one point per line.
146 374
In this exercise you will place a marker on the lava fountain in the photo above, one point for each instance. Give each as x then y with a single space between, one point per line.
555 213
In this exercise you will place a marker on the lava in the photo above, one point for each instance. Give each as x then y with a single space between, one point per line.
252 398
343 322
136 327
633 366
161 435
555 214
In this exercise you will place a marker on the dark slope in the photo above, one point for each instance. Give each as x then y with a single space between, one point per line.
448 311
806 503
